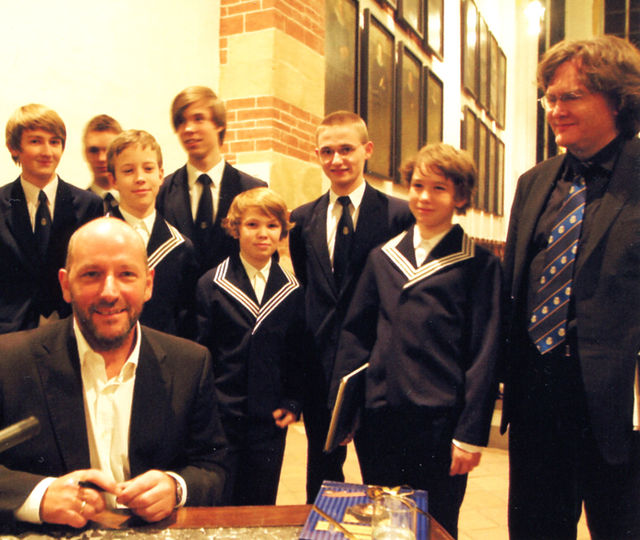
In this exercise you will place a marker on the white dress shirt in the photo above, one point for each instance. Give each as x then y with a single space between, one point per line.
257 276
334 212
143 226
31 192
195 187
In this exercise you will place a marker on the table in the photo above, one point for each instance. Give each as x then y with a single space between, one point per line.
237 522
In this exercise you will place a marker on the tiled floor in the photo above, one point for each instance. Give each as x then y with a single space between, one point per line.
484 511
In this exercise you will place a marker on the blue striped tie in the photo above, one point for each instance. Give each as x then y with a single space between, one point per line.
548 323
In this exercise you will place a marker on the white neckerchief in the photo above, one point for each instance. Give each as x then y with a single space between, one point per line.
423 246
257 276
143 226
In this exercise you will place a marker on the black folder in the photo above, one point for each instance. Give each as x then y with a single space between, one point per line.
349 399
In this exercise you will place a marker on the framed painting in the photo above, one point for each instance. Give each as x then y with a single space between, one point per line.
377 93
341 46
493 77
492 142
469 49
468 138
500 178
434 27
433 117
408 106
411 15
483 64
483 145
502 88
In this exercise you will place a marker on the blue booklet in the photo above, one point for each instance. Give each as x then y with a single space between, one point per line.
349 506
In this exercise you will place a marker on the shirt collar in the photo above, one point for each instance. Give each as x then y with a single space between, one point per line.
252 270
355 196
215 173
427 243
89 357
101 192
31 191
132 220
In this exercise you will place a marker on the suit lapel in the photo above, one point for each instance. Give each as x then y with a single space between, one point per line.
540 188
229 188
616 196
318 229
163 240
19 225
179 202
59 368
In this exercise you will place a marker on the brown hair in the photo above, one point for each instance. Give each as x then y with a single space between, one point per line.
263 199
129 138
345 118
33 116
195 94
608 65
457 165
102 122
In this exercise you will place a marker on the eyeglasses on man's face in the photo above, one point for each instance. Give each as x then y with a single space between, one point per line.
550 101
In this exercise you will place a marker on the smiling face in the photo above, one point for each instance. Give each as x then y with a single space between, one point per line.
342 155
258 234
200 136
107 282
39 155
432 201
96 144
138 178
583 126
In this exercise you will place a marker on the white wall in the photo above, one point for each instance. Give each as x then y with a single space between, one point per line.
125 58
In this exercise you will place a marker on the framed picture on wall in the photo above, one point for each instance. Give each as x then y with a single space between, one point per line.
468 138
502 88
483 63
411 15
434 27
493 78
408 106
377 93
483 145
433 98
341 45
469 49
500 178
391 3
492 142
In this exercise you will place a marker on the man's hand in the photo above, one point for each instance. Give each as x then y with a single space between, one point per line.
463 462
65 502
151 496
283 417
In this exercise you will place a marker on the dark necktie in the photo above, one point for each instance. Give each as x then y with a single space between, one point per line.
204 215
43 225
109 202
343 241
548 323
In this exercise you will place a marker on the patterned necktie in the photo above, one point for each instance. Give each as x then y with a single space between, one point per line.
42 228
204 215
548 323
344 237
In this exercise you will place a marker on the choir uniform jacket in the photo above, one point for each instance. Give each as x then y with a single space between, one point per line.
28 286
174 204
171 255
174 417
257 349
431 334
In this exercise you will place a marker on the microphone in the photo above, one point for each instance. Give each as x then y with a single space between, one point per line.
19 432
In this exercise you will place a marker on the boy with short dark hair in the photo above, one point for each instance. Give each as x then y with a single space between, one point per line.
426 316
251 317
40 213
134 160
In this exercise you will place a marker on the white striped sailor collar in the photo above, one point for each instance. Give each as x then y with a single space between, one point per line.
221 278
436 261
174 240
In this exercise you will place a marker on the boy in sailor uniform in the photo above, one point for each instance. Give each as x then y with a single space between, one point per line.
426 316
250 316
134 159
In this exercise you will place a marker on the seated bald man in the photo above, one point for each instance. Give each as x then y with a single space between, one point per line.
130 409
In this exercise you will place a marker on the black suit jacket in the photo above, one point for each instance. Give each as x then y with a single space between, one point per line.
258 350
29 286
606 292
174 204
171 255
174 418
381 217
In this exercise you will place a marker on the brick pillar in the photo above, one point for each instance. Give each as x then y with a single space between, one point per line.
272 80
